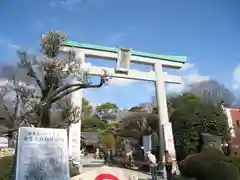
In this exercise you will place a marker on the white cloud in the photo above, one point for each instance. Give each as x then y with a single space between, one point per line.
6 42
194 78
116 38
70 5
187 66
190 75
66 4
236 77
13 46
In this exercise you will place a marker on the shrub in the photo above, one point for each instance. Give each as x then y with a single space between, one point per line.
213 154
221 171
6 167
209 164
108 141
195 164
234 160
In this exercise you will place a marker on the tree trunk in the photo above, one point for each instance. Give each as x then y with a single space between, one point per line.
11 142
45 119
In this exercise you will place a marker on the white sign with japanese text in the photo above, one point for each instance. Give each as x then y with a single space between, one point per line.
169 141
42 153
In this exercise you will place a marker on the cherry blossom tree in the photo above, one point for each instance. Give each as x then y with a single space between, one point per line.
52 81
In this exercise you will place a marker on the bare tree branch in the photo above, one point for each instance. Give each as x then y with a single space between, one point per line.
81 86
24 60
8 132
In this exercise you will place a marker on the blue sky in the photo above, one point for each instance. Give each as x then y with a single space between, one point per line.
207 32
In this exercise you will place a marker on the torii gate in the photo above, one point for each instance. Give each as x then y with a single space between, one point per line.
124 57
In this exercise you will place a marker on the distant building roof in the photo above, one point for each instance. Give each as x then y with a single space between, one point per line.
144 107
91 138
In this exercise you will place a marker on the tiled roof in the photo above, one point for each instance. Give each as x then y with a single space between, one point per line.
91 137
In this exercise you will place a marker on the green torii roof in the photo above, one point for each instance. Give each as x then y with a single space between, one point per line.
180 59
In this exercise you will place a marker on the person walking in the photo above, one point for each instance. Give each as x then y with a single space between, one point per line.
106 154
152 164
130 157
168 164
97 155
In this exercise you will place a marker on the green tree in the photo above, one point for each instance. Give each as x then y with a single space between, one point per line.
211 164
190 118
93 124
87 109
106 107
108 141
113 126
137 124
107 111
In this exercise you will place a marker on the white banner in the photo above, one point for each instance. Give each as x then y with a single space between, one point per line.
74 140
169 141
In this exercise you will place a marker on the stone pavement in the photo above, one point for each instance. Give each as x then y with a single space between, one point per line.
93 167
121 173
89 163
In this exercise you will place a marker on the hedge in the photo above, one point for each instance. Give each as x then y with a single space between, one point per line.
6 167
210 164
234 160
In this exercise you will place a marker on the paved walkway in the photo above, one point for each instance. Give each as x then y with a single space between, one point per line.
121 173
92 168
90 164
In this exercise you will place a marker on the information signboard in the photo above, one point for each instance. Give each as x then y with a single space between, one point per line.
42 153
147 143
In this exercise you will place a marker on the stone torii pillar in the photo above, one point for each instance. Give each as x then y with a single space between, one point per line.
75 129
125 57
